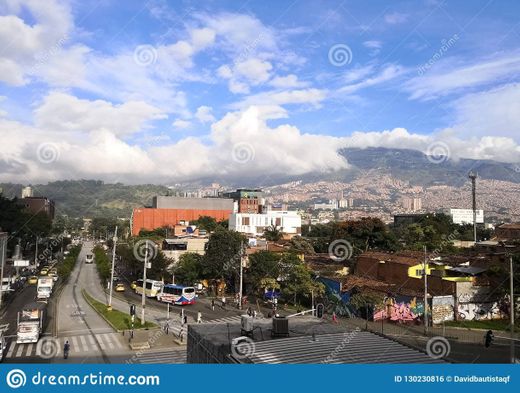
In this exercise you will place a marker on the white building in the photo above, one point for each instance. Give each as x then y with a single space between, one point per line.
465 216
27 192
289 222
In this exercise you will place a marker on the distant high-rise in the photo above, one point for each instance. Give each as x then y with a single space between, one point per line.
412 204
27 192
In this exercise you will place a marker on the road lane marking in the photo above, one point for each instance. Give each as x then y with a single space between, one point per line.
108 339
92 342
100 341
19 352
11 348
75 343
29 350
83 343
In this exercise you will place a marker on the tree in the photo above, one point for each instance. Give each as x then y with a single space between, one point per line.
223 253
298 280
272 233
299 244
189 269
206 222
263 265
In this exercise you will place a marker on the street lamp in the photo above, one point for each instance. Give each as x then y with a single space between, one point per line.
112 272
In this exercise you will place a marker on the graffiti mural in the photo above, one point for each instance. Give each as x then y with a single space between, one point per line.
400 311
443 309
480 311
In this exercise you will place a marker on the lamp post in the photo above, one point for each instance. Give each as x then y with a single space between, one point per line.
112 272
512 309
425 272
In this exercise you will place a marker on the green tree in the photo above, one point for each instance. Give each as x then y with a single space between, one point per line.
272 233
223 253
189 269
263 265
299 244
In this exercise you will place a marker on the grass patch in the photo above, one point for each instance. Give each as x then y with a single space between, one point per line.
118 319
496 324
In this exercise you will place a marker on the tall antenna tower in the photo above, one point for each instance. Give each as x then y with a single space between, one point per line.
473 176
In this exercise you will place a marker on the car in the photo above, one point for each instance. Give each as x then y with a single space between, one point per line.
119 287
44 272
53 276
89 258
33 280
53 271
133 285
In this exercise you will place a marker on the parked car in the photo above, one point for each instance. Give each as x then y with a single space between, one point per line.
119 287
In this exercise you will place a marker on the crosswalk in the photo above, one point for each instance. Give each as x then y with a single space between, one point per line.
48 347
162 357
234 319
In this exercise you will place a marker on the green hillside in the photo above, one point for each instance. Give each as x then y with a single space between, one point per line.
91 198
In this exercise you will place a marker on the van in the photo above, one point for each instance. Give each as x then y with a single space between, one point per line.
89 258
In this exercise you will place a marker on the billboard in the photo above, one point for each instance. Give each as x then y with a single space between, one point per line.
465 216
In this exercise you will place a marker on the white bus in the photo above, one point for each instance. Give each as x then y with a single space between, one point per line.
177 294
153 288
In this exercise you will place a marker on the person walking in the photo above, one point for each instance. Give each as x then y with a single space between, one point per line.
334 318
223 302
185 320
213 304
199 317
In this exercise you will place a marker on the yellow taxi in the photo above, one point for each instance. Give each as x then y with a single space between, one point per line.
133 285
33 280
44 272
119 287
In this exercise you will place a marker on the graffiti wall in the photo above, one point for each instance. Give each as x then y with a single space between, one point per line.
443 309
400 311
480 311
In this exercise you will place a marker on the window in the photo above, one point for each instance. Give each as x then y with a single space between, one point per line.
245 220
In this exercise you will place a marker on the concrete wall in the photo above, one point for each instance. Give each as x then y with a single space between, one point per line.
168 202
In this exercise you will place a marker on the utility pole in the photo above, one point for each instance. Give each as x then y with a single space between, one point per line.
143 296
512 309
36 253
112 273
425 272
3 253
242 257
473 176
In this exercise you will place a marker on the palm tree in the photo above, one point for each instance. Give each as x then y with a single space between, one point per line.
272 233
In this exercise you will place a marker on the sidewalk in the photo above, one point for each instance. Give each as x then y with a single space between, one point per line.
400 330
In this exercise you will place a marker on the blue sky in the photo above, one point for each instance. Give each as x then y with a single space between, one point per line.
162 91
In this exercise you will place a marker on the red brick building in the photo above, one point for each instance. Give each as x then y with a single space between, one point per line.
150 219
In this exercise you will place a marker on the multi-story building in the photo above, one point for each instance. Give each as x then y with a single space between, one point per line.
247 200
167 211
27 192
288 222
508 232
331 205
37 205
412 204
173 248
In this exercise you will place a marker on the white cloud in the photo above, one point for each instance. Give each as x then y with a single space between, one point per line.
251 72
388 73
62 112
396 18
312 97
374 45
447 76
492 112
288 81
181 124
204 114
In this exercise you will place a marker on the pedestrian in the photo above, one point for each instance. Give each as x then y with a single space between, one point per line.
185 320
199 317
334 318
223 302
249 312
254 313
213 304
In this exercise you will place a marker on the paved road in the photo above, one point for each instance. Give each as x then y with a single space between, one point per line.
91 339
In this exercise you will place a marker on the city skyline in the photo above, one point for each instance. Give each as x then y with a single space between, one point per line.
172 92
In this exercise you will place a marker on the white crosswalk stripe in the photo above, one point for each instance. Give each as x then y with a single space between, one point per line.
78 344
165 357
233 319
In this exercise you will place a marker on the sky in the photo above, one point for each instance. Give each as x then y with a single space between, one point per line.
168 91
